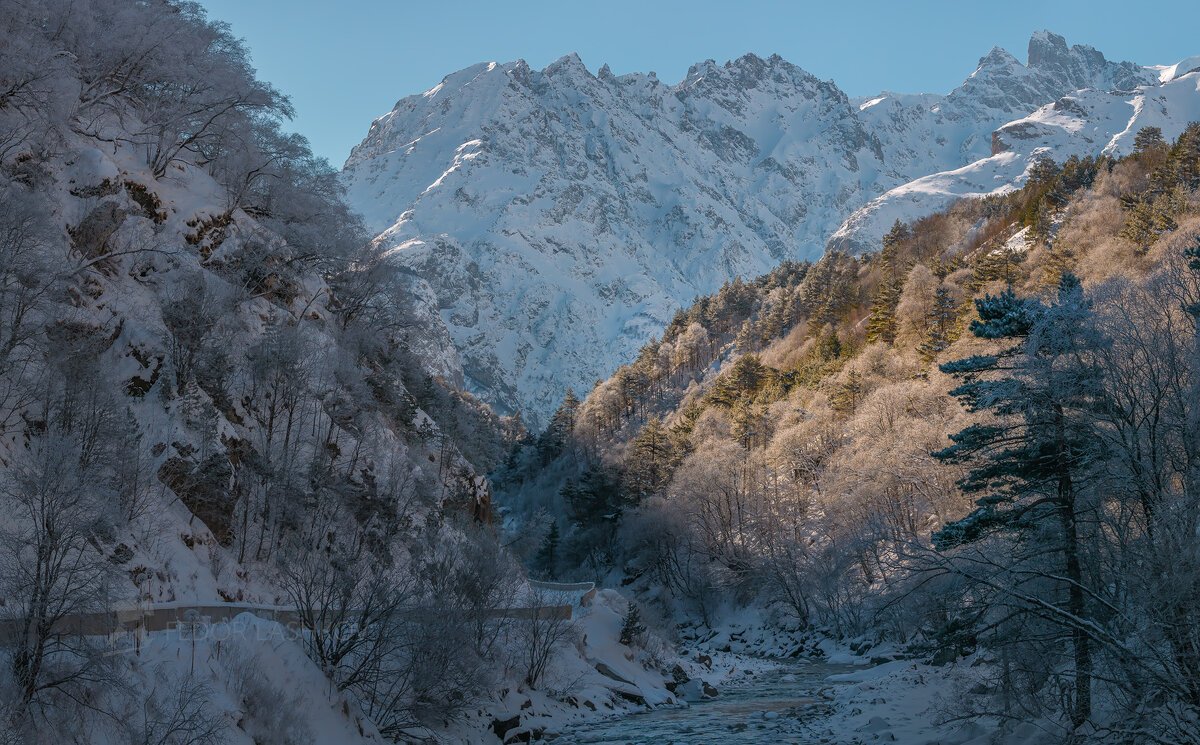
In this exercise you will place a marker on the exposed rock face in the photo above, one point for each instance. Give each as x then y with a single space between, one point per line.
560 217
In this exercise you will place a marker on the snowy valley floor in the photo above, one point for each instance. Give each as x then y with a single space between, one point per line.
770 685
745 682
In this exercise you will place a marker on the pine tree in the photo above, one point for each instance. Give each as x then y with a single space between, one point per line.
848 394
746 341
650 463
1026 464
999 264
632 628
1148 142
1060 260
941 322
881 324
748 423
899 233
744 379
828 347
771 325
594 498
594 504
1147 217
546 561
554 440
1184 158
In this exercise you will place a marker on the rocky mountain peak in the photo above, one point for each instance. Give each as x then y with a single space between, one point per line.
567 64
1048 49
561 217
997 58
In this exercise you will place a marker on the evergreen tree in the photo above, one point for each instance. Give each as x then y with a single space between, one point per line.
744 379
1147 217
546 561
899 233
650 463
771 325
1060 260
1184 158
594 498
941 322
746 341
848 394
594 504
828 347
999 264
1148 141
1026 464
748 424
554 440
881 324
632 628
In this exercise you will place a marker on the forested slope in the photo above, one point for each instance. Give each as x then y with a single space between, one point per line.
979 440
214 388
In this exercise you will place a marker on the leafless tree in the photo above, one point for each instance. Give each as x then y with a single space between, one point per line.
542 631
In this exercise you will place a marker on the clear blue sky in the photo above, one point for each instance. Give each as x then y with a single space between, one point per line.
346 62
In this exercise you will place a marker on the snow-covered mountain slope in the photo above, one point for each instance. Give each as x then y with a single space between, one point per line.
1087 122
560 217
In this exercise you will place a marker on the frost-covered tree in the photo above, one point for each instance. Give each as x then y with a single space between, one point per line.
1031 461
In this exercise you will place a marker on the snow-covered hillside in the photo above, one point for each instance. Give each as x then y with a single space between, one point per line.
561 216
1086 122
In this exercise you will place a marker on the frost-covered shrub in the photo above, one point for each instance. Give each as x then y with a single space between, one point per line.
271 714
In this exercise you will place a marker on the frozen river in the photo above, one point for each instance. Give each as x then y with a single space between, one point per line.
769 708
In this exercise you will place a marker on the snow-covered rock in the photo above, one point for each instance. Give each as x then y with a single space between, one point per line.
560 216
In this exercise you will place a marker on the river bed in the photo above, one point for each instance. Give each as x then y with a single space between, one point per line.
769 707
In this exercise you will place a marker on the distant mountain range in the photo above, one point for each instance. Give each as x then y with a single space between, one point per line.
560 217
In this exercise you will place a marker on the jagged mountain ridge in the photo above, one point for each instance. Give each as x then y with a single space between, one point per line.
560 217
1090 121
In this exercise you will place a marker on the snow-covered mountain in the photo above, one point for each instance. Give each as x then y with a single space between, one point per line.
560 217
1089 121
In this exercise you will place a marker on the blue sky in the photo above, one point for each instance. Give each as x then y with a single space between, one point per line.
346 62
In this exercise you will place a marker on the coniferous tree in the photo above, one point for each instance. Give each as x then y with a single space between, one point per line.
941 322
1027 464
828 347
546 561
848 394
595 507
745 378
746 341
594 498
554 440
748 423
1183 161
1149 142
1060 260
650 463
999 264
632 628
771 326
899 233
881 324
1147 217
